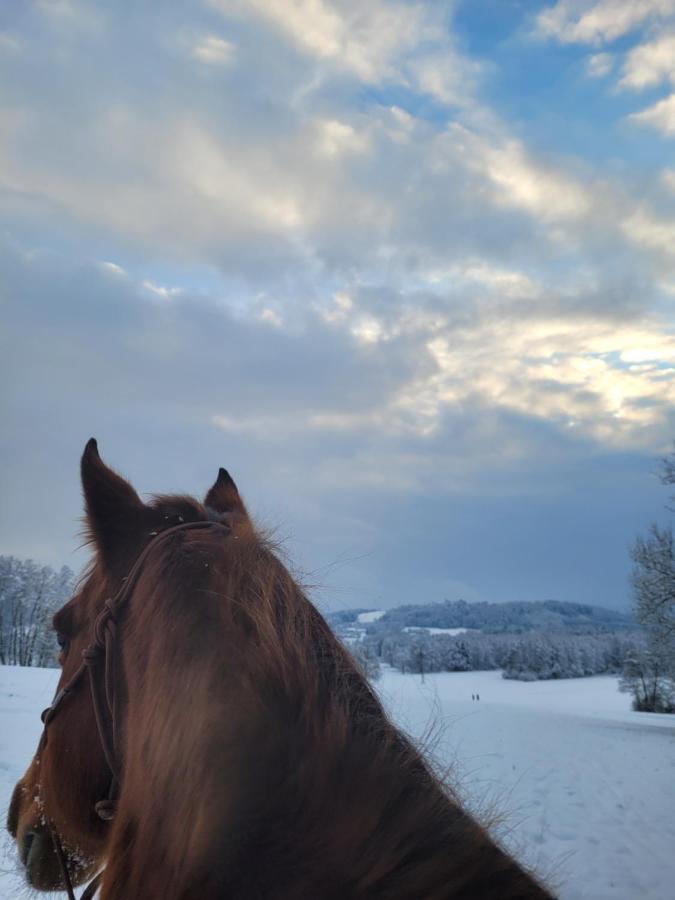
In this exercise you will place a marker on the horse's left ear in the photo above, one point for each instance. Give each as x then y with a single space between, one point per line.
115 514
224 496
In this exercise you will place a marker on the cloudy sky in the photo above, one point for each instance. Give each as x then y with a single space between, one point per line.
406 269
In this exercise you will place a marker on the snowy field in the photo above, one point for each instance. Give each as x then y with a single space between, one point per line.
585 787
453 632
367 617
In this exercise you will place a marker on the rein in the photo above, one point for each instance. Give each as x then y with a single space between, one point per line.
101 652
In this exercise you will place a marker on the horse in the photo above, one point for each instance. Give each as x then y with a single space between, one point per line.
211 738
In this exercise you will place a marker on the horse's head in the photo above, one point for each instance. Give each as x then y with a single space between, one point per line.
58 799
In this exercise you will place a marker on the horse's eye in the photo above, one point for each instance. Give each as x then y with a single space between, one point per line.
61 640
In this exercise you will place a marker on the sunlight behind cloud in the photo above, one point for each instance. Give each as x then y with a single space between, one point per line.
562 371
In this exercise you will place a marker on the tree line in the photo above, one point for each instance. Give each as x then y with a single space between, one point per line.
525 657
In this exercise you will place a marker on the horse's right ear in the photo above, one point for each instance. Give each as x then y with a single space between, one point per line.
115 514
224 496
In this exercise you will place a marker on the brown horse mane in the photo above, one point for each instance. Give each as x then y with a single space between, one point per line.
323 739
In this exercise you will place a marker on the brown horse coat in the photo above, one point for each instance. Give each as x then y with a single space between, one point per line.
256 761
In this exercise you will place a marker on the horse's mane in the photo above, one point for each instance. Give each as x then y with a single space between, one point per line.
322 742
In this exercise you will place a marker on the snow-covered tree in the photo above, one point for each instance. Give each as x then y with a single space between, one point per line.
366 659
653 582
526 657
643 677
29 596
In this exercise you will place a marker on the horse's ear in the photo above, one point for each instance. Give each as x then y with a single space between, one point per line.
115 514
224 496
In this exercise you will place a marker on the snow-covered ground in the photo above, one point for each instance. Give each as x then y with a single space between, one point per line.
367 617
411 629
24 693
585 786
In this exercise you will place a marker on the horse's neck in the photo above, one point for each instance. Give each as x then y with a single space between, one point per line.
366 819
231 793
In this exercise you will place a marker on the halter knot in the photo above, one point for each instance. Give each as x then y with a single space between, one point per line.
110 606
104 623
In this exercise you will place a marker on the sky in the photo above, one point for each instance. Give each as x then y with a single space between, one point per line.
405 269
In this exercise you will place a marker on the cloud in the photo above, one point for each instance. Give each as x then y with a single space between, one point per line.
220 193
661 115
335 138
652 231
364 39
650 63
446 76
599 65
588 22
329 258
326 431
9 44
646 65
668 179
214 50
67 8
521 182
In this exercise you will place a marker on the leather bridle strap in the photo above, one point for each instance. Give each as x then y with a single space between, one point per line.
63 865
103 695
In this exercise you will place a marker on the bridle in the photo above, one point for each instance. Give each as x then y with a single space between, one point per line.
100 654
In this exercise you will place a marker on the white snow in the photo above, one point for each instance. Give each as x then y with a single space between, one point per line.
429 630
372 616
24 693
586 787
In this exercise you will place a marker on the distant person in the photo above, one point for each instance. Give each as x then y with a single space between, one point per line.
477 696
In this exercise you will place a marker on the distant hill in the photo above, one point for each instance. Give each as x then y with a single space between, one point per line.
492 618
